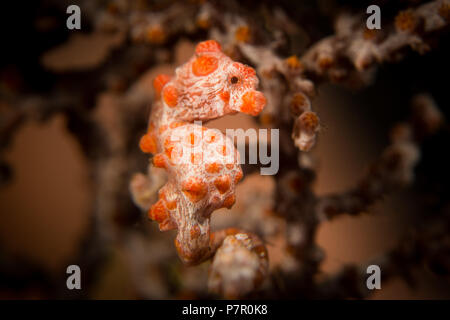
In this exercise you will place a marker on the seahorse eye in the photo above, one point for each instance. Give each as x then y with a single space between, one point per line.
234 80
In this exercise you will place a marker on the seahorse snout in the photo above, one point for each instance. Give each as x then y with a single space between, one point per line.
252 102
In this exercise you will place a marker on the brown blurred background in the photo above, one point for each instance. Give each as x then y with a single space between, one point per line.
45 209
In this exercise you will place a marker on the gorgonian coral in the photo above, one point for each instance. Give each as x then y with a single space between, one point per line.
202 164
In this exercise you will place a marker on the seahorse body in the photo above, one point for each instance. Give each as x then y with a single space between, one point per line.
202 163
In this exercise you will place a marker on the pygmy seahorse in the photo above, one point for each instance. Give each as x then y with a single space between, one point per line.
202 164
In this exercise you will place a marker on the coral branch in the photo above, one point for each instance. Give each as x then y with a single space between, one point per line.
350 54
394 168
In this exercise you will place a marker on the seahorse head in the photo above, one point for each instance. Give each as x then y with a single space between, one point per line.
211 85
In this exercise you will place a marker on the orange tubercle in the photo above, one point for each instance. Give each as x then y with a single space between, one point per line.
370 34
170 95
229 201
158 212
159 82
208 46
204 65
405 21
155 34
238 177
203 23
222 183
214 167
148 143
242 34
299 103
195 189
225 96
244 70
159 161
309 121
293 62
171 205
253 102
325 61
168 151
